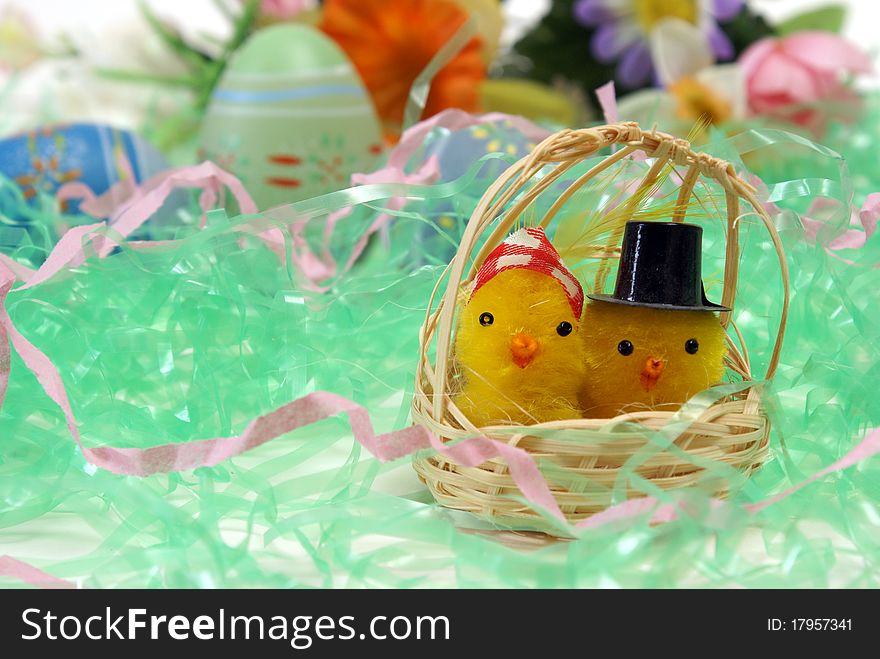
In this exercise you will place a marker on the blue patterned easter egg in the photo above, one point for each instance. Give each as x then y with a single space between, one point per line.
290 117
44 159
459 150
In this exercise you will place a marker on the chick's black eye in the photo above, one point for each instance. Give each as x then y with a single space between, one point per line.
486 319
691 346
625 348
564 328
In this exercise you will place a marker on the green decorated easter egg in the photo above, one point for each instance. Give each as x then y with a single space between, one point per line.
290 117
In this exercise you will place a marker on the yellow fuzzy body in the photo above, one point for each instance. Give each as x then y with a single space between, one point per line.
492 388
615 383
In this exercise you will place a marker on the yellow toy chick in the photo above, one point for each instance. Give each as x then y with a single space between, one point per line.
656 342
517 347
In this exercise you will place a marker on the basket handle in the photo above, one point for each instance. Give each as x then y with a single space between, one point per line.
567 148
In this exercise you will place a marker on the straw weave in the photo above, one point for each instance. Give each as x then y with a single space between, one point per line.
733 431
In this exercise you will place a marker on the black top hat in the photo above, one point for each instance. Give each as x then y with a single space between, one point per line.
660 267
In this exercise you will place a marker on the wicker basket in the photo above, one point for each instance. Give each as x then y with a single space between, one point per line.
733 431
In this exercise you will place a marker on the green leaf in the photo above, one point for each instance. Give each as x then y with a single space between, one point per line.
172 39
745 29
224 9
828 19
244 24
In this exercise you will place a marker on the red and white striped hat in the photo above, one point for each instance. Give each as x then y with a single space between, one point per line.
530 249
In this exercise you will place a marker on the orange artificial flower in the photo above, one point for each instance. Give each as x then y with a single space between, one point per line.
391 41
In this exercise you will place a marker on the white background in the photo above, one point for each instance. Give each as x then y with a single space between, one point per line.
97 15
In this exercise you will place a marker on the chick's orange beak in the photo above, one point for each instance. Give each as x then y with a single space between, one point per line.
651 372
523 349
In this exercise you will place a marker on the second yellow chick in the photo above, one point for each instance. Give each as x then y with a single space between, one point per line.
643 358
656 341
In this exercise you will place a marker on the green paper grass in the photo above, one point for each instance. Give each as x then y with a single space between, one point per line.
194 340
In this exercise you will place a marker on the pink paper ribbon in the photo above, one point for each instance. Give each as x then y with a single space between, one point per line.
318 268
106 204
21 271
5 355
867 448
414 137
128 206
470 453
607 97
27 573
864 222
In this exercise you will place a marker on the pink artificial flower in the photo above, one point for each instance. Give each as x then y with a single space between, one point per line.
788 78
284 9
